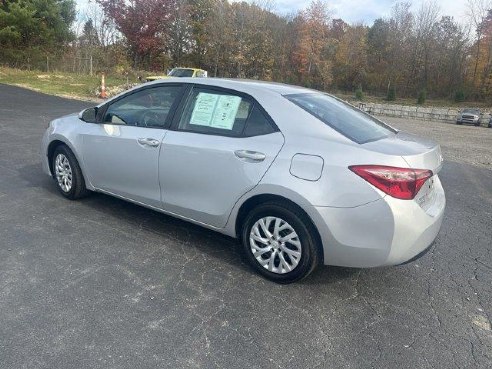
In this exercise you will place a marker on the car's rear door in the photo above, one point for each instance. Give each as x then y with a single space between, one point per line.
221 144
121 153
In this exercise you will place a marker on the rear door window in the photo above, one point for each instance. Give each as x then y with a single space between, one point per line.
215 112
223 112
342 117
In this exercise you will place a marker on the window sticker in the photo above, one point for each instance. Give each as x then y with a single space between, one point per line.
216 111
203 112
225 112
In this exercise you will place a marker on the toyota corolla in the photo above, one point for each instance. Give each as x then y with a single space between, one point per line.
300 177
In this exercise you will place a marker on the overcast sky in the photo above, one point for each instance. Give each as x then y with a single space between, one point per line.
367 11
353 11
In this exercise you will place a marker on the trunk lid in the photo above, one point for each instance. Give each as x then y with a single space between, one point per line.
419 153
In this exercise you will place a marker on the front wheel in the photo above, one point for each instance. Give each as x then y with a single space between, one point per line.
67 173
280 242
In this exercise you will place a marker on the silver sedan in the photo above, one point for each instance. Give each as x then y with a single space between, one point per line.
300 177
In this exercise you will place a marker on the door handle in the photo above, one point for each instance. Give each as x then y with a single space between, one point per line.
151 142
250 155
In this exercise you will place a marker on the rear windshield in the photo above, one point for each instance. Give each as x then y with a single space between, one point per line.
342 117
179 72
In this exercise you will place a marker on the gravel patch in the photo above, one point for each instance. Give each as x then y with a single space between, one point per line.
462 144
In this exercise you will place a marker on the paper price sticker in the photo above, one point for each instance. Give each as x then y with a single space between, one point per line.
216 111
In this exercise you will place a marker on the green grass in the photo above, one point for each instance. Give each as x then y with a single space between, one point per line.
58 83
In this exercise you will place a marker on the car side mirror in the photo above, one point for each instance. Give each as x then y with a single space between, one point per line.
89 115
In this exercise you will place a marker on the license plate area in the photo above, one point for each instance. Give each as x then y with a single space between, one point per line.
427 194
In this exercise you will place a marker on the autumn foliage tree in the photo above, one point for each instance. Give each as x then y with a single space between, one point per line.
483 78
145 25
351 58
310 57
400 55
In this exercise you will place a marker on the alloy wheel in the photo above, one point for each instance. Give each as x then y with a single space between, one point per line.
63 172
275 245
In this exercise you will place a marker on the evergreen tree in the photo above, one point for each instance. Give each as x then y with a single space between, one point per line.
36 23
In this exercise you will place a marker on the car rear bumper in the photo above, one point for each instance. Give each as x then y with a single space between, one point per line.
419 255
381 233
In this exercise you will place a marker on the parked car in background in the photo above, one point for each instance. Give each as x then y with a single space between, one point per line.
300 177
469 116
181 72
490 122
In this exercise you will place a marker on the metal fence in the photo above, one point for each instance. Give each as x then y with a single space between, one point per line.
79 64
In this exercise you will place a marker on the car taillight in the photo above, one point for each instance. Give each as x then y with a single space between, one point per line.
401 183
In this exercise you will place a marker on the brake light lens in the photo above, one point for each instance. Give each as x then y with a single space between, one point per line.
401 183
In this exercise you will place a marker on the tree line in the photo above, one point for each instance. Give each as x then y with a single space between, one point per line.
409 53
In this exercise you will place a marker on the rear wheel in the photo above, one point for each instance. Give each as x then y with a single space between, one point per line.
280 242
67 173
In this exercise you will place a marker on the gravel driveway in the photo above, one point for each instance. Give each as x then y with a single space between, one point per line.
462 144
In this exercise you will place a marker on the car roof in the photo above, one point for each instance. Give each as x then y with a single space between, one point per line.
190 68
243 85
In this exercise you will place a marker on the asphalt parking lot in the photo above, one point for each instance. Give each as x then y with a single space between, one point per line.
101 283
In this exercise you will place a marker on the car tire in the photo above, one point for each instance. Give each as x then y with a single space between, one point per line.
285 266
67 174
458 122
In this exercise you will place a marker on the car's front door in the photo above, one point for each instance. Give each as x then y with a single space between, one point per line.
121 153
221 145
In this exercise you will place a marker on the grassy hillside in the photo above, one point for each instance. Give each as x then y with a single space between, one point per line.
60 84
